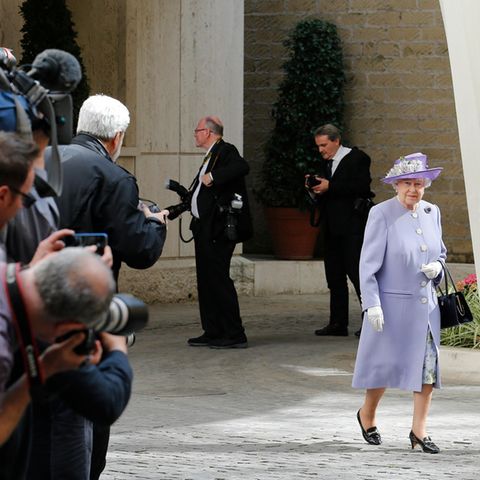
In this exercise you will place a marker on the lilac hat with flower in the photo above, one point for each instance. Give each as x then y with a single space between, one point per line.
411 166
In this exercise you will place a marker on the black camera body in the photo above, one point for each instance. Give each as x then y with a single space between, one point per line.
312 181
185 197
126 315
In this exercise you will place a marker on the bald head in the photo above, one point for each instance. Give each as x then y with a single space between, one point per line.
209 130
74 285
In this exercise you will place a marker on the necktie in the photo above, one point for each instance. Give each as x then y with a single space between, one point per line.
329 169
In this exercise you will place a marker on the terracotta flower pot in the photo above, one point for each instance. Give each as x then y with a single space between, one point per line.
292 235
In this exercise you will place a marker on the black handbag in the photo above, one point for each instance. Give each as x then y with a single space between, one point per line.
454 309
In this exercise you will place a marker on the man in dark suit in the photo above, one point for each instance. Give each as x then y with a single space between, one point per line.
344 185
221 176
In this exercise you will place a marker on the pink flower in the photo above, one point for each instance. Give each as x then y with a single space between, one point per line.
470 279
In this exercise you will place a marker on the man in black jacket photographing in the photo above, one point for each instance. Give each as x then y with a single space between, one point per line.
221 218
342 185
99 195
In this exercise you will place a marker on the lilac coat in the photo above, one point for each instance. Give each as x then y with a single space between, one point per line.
397 242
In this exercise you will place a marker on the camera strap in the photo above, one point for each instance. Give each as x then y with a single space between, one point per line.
23 329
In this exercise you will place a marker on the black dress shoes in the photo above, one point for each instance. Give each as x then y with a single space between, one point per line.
238 342
201 341
427 445
332 329
371 435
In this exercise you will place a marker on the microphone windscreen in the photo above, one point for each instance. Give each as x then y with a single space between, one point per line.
57 70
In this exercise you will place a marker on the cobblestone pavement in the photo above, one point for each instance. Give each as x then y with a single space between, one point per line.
281 409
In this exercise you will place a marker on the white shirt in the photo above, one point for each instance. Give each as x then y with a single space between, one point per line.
338 157
206 161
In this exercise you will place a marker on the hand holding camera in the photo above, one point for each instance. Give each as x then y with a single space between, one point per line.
316 184
62 356
52 243
312 180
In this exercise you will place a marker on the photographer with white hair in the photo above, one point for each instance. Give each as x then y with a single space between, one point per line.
99 195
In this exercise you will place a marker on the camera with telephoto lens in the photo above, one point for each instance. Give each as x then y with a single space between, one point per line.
232 211
126 315
185 197
312 181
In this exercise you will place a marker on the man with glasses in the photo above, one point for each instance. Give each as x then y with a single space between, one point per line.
221 175
16 175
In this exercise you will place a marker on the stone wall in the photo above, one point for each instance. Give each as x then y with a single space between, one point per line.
399 96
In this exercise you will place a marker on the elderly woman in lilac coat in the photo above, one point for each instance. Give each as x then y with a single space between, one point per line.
399 268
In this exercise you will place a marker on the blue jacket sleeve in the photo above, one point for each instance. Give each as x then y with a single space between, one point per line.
98 392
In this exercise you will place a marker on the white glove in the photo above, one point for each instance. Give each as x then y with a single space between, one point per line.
432 270
375 317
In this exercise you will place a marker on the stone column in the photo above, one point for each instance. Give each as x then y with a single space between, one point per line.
171 62
461 21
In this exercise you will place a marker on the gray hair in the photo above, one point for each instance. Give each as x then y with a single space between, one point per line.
103 117
331 131
74 285
215 127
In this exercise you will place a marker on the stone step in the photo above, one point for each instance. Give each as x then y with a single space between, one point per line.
174 279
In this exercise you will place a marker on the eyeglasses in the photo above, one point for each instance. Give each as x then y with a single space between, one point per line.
27 198
199 130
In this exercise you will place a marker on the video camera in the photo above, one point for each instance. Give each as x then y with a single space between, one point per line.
185 197
41 95
127 314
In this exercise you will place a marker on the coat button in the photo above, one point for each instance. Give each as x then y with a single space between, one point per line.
424 300
423 248
415 215
419 231
423 284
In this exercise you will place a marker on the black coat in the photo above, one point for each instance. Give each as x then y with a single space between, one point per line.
228 170
100 196
350 181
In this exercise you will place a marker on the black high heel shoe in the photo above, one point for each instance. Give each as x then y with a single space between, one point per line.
371 435
427 445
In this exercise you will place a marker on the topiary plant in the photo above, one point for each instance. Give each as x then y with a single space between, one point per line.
310 95
48 24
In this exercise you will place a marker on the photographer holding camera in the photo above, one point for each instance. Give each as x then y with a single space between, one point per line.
220 220
43 302
342 190
99 195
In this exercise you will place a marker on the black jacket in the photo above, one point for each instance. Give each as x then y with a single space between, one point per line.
350 181
100 196
228 170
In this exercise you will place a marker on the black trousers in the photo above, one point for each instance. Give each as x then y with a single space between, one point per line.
101 436
217 297
342 258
